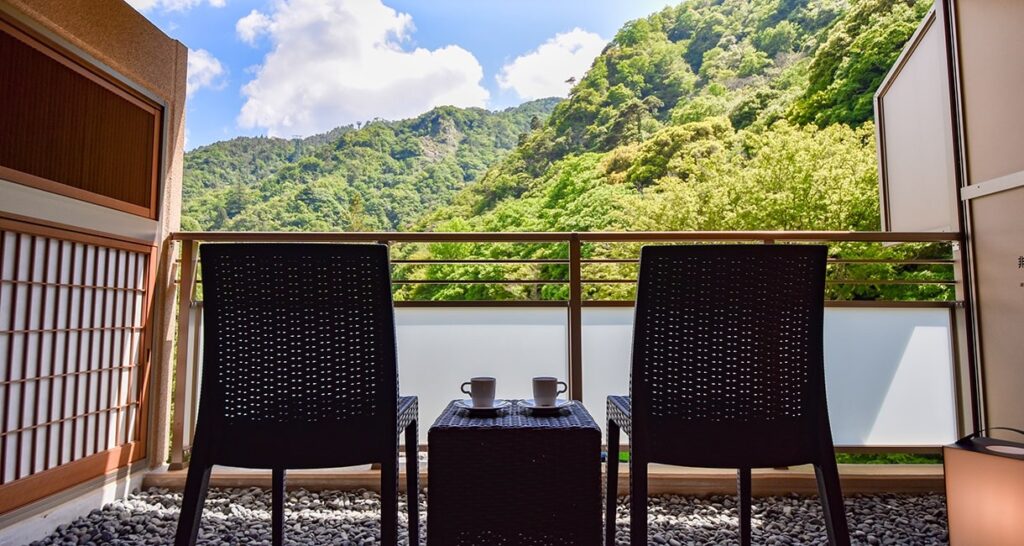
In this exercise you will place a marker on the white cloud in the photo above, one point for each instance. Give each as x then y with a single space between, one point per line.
172 5
543 72
335 62
204 70
251 26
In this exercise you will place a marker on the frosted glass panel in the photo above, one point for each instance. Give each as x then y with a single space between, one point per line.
439 348
889 375
889 372
607 346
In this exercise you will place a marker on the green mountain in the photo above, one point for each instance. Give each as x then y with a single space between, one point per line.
380 176
714 114
709 115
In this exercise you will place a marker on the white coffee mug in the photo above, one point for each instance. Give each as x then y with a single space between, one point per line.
546 391
481 390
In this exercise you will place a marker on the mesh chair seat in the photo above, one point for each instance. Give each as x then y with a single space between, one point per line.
620 411
727 371
407 410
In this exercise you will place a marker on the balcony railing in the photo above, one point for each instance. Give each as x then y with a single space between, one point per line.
516 305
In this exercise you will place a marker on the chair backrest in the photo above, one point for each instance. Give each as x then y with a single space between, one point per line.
297 334
729 335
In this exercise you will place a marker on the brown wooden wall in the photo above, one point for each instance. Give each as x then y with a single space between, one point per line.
71 130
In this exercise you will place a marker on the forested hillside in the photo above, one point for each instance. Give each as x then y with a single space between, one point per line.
710 115
379 176
734 114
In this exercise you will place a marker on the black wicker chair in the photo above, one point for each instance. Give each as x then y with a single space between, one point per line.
727 372
300 371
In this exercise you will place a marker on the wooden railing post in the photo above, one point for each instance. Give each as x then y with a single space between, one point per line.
186 290
575 325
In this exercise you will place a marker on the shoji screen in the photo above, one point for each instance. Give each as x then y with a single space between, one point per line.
73 311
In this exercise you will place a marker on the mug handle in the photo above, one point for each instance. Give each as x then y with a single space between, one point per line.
564 387
463 388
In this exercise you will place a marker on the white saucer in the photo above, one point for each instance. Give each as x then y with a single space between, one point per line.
468 405
532 405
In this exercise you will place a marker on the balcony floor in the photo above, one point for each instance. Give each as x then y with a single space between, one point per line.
234 516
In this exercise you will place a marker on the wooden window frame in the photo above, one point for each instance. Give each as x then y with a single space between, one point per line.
112 82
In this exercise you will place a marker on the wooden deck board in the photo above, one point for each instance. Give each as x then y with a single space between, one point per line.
856 479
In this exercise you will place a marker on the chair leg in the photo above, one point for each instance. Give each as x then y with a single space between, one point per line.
832 501
744 490
637 499
611 492
192 504
389 498
277 508
412 481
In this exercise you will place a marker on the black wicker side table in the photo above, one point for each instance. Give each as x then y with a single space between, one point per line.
514 479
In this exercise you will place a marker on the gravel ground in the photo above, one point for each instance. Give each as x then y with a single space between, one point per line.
242 516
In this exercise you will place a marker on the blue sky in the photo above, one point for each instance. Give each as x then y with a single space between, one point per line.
298 67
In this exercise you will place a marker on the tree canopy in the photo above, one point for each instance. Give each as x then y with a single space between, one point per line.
709 115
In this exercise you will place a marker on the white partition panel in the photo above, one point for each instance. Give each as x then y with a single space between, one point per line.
889 372
889 376
607 346
439 348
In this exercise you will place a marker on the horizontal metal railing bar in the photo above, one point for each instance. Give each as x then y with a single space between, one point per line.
831 261
477 281
585 261
890 282
895 304
893 282
891 304
371 237
776 236
894 261
199 282
896 282
887 303
561 236
482 303
481 261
